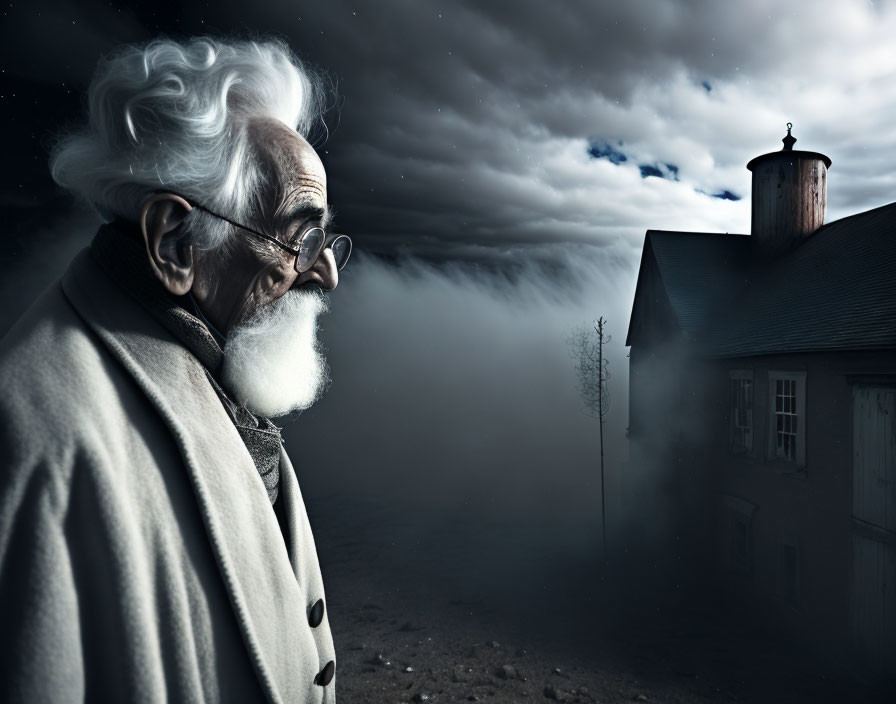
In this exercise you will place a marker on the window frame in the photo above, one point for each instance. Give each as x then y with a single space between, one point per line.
798 460
740 375
739 514
790 594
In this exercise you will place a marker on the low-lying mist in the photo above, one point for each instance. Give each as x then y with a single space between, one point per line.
452 441
452 447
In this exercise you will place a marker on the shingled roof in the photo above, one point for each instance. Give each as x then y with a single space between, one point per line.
836 291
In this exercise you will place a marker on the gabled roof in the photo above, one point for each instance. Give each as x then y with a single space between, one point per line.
836 291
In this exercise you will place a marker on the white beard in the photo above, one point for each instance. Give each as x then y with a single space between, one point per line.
273 363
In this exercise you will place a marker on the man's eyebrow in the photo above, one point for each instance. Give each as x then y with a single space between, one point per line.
306 211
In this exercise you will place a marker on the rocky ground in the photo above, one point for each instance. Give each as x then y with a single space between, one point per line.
449 653
403 633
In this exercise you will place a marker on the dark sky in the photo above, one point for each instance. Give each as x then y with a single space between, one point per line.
518 121
508 157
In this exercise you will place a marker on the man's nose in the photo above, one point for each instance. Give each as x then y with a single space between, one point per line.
323 272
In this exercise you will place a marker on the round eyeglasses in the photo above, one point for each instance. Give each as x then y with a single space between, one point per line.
308 247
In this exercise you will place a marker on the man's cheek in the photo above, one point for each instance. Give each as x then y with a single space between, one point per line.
272 285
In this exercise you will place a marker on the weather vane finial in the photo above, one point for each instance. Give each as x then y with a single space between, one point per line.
789 140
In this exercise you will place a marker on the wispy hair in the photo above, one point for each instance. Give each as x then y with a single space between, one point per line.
173 116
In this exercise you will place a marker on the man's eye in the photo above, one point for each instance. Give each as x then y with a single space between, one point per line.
297 234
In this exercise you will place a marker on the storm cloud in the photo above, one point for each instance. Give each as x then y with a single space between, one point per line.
477 123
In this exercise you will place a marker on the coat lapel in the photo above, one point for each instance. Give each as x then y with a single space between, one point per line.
259 575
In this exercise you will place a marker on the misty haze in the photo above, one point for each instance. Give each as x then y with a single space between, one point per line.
509 174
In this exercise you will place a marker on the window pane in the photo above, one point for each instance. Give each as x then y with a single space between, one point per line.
741 413
786 423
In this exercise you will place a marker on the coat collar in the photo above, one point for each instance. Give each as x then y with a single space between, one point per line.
261 578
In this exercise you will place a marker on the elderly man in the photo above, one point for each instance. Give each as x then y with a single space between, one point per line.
154 544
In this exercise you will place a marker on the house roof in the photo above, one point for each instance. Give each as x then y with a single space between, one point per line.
836 291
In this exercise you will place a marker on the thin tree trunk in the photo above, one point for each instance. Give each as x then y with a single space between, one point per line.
600 419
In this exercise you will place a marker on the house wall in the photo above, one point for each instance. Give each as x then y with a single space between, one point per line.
802 517
668 476
795 522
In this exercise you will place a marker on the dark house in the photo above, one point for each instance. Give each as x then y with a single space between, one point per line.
763 388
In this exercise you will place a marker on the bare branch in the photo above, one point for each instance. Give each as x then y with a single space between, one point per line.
591 367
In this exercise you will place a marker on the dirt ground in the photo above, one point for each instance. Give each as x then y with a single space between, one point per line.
404 632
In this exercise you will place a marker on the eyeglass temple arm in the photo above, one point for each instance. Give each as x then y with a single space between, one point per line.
248 229
332 238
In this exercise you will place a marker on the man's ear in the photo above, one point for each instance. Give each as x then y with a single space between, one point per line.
171 259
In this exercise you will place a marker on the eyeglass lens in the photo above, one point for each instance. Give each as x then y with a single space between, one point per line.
310 247
312 244
342 249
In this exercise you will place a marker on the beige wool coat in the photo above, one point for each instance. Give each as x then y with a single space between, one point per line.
140 558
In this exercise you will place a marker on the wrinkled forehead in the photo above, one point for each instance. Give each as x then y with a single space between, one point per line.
291 166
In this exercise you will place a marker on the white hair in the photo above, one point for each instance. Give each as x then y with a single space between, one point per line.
273 363
172 116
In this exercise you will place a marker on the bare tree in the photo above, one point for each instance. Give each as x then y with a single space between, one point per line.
586 345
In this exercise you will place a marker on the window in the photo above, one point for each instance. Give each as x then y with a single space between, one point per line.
738 536
740 541
787 416
741 431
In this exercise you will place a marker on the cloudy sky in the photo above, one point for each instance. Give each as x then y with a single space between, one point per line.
524 121
508 157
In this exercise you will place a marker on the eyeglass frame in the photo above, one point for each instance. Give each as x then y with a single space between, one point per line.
327 241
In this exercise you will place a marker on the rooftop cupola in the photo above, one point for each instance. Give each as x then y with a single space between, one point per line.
789 197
